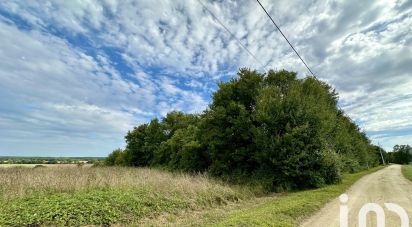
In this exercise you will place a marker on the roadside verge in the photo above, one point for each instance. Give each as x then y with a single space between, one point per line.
407 171
290 209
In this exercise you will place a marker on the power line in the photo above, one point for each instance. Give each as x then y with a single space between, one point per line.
285 38
232 35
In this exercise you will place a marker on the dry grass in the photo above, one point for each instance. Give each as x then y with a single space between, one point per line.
286 209
68 195
47 165
17 182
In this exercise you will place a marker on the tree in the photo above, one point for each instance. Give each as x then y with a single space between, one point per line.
143 141
182 151
293 124
227 128
271 129
117 157
178 120
402 154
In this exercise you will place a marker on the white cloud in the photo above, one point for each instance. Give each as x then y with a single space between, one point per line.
177 51
51 90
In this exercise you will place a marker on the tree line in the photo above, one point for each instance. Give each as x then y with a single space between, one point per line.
401 154
270 129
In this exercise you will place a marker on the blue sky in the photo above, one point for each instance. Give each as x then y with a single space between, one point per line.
77 75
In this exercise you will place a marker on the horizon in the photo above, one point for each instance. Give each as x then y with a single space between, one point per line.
6 156
76 76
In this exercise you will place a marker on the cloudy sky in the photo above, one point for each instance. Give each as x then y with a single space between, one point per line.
75 76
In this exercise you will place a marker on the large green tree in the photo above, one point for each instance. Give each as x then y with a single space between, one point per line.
228 126
143 141
401 154
272 129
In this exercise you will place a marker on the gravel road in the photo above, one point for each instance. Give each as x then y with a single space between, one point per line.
385 186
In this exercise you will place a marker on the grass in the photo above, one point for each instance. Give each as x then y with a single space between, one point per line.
290 209
147 197
407 171
104 196
46 165
284 210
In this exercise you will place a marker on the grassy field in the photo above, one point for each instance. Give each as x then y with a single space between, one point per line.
281 210
45 165
102 196
290 209
407 171
140 196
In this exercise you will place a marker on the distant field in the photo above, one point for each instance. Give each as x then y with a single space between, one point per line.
45 165
29 161
407 171
16 165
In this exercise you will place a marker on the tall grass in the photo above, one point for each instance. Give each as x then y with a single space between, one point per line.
23 181
107 195
127 196
290 210
407 171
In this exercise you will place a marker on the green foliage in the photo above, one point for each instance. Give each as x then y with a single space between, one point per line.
401 154
407 171
117 157
293 121
271 129
176 120
143 141
290 209
182 151
107 196
48 160
97 207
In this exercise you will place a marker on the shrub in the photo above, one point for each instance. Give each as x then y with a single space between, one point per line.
269 129
117 157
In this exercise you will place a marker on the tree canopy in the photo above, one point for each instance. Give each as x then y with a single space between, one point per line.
401 154
271 129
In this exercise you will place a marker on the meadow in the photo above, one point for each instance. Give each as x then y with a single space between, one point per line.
68 195
42 165
64 195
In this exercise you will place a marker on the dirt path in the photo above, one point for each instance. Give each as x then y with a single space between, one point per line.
385 186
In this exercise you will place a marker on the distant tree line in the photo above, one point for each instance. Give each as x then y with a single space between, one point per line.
270 129
401 154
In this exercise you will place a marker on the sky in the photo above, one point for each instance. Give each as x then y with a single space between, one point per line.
76 75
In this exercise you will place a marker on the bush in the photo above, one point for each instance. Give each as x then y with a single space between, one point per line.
402 154
182 151
117 157
269 129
